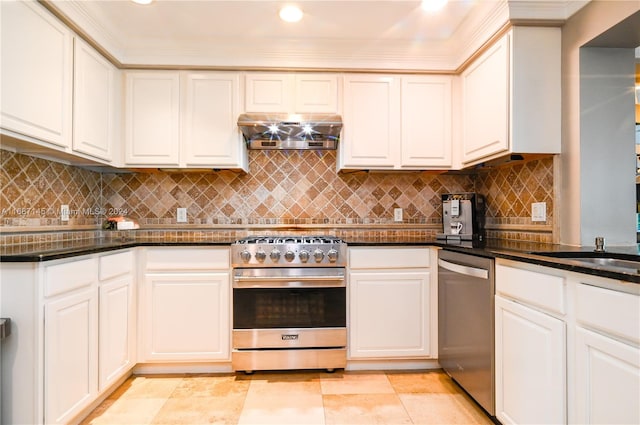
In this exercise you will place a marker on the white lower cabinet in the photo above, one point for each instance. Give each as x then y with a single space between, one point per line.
70 354
530 345
391 303
70 317
607 380
185 305
607 356
117 318
567 347
530 365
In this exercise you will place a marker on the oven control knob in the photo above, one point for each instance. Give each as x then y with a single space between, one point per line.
245 256
332 255
261 255
304 255
289 256
274 255
318 255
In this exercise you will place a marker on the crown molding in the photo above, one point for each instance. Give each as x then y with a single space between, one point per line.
486 20
544 9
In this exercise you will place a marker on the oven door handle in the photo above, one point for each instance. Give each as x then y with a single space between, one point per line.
288 282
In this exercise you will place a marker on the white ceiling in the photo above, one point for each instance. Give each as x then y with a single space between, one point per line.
360 34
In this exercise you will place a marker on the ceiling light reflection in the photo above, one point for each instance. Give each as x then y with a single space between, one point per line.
433 5
291 14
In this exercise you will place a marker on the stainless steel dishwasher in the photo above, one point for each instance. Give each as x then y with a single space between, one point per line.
466 323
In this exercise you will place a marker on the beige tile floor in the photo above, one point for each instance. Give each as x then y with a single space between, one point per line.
415 397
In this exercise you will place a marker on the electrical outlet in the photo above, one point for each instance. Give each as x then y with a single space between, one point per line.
181 215
539 211
64 213
397 214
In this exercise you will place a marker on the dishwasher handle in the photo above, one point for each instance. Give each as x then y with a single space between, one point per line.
465 270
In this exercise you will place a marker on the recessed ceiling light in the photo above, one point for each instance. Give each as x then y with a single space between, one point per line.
433 5
290 14
142 1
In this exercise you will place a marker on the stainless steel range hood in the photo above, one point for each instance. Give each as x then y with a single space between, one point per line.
290 131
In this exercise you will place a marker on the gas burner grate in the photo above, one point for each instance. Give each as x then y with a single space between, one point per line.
289 240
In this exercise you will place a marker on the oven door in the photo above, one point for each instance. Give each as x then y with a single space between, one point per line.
289 308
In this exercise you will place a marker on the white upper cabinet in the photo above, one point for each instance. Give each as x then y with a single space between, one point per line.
486 102
37 64
291 93
183 119
210 134
426 122
94 103
511 99
152 120
396 122
371 132
316 93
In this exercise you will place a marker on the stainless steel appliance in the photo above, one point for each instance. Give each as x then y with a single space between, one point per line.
466 292
289 303
290 131
462 219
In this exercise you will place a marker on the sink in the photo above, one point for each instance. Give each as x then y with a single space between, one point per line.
626 263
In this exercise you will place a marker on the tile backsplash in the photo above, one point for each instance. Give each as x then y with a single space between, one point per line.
33 190
282 187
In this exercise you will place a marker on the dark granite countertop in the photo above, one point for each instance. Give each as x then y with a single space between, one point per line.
53 251
519 251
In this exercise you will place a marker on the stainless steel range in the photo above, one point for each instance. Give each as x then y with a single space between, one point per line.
289 303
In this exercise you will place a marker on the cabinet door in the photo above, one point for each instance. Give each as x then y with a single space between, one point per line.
185 316
152 134
117 331
37 69
607 380
530 365
371 135
211 108
267 92
94 102
316 93
70 354
426 122
389 314
485 106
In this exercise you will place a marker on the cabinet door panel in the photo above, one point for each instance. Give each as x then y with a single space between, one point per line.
187 316
152 118
371 121
426 122
607 380
530 365
389 314
71 358
94 102
486 103
116 330
268 92
211 108
316 93
36 73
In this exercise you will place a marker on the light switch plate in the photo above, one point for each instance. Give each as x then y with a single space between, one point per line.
539 211
181 215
